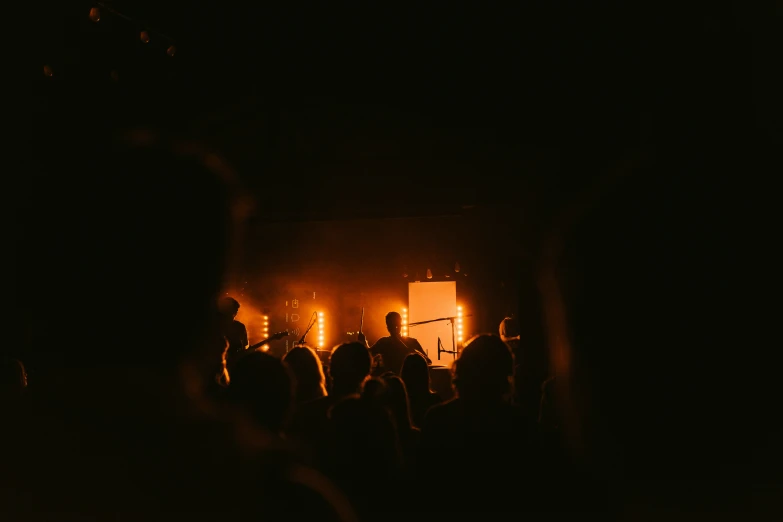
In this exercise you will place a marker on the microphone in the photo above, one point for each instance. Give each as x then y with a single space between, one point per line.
312 322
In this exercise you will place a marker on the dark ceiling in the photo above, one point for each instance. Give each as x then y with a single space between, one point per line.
337 111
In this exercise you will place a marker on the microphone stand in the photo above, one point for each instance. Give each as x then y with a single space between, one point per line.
313 319
453 350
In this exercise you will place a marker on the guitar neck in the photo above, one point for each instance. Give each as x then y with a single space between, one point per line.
258 345
275 337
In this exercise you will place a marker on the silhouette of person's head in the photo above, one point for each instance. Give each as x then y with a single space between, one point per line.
262 385
374 389
509 329
365 430
228 307
310 382
349 367
396 399
416 374
394 323
484 369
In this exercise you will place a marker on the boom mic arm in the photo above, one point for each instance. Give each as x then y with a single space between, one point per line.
313 319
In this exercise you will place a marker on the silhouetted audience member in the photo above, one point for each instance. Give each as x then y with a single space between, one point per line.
262 385
375 389
389 352
350 365
415 374
305 365
368 461
117 425
395 397
486 437
529 367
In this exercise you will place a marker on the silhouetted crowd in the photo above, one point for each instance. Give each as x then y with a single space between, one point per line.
130 403
384 443
386 438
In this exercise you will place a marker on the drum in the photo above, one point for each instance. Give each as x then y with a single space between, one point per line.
440 381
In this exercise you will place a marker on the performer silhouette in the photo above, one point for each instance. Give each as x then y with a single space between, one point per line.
234 331
389 352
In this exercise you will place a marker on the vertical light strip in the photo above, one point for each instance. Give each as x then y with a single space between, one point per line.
404 322
266 327
459 325
320 329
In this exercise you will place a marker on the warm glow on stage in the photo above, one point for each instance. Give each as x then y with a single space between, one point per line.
432 309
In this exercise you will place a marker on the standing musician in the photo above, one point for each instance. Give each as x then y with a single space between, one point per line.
234 331
390 352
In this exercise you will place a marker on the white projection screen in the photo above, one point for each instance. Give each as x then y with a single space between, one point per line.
427 301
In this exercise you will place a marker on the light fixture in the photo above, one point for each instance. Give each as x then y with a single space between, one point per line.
95 14
320 330
459 324
144 37
171 51
456 266
429 274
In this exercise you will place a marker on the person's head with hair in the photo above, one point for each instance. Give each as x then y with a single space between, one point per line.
373 389
366 435
484 369
228 306
305 365
262 385
416 374
395 397
509 329
349 366
394 323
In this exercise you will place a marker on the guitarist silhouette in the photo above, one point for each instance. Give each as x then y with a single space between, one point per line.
232 330
223 376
